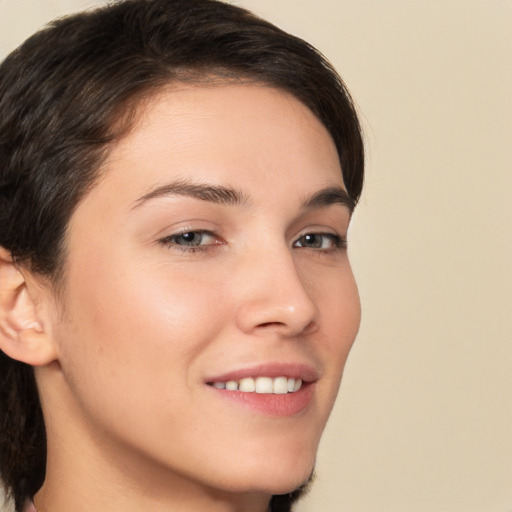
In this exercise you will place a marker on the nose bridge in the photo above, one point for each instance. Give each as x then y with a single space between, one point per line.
273 292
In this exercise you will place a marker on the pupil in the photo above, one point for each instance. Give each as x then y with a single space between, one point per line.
312 241
191 238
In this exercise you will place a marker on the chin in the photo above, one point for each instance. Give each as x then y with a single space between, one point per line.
277 462
288 485
276 476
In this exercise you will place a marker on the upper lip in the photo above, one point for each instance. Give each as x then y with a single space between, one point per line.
302 371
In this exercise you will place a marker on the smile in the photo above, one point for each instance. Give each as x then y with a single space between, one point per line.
262 385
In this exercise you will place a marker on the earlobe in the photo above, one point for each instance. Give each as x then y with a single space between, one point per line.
22 331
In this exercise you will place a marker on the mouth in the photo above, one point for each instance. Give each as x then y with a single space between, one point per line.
273 390
262 385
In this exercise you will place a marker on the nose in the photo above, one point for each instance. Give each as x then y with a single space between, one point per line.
274 296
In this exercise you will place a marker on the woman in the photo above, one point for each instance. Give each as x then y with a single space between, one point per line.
176 302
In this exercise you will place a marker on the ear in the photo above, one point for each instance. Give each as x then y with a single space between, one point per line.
23 335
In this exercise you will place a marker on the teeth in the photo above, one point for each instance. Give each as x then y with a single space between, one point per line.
264 385
247 385
281 386
231 385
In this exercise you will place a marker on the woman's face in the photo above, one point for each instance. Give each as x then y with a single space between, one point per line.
210 254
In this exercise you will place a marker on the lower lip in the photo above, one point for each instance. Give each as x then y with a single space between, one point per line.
270 404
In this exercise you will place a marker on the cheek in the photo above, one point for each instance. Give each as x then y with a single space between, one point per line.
345 311
147 296
334 291
340 312
130 343
128 320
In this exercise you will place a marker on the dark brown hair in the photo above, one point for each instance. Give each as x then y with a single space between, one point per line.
69 91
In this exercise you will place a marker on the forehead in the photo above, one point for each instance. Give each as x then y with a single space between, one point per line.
251 137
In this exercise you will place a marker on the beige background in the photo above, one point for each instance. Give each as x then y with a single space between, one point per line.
424 421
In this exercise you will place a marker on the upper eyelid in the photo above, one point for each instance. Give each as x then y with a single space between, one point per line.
308 231
312 230
187 229
321 230
168 239
339 240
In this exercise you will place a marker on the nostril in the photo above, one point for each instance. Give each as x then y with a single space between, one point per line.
311 327
270 324
287 328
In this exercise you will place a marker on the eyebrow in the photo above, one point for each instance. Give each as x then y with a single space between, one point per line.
330 196
221 194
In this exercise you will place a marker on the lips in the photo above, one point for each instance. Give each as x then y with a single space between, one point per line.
271 389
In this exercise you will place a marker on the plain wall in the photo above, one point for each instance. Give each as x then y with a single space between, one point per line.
424 419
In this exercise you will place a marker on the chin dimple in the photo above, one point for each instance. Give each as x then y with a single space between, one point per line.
263 385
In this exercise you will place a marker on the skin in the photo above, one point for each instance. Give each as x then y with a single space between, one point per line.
143 321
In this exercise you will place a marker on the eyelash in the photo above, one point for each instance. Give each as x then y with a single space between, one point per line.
336 242
170 241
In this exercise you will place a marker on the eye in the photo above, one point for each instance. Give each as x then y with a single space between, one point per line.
322 241
191 240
